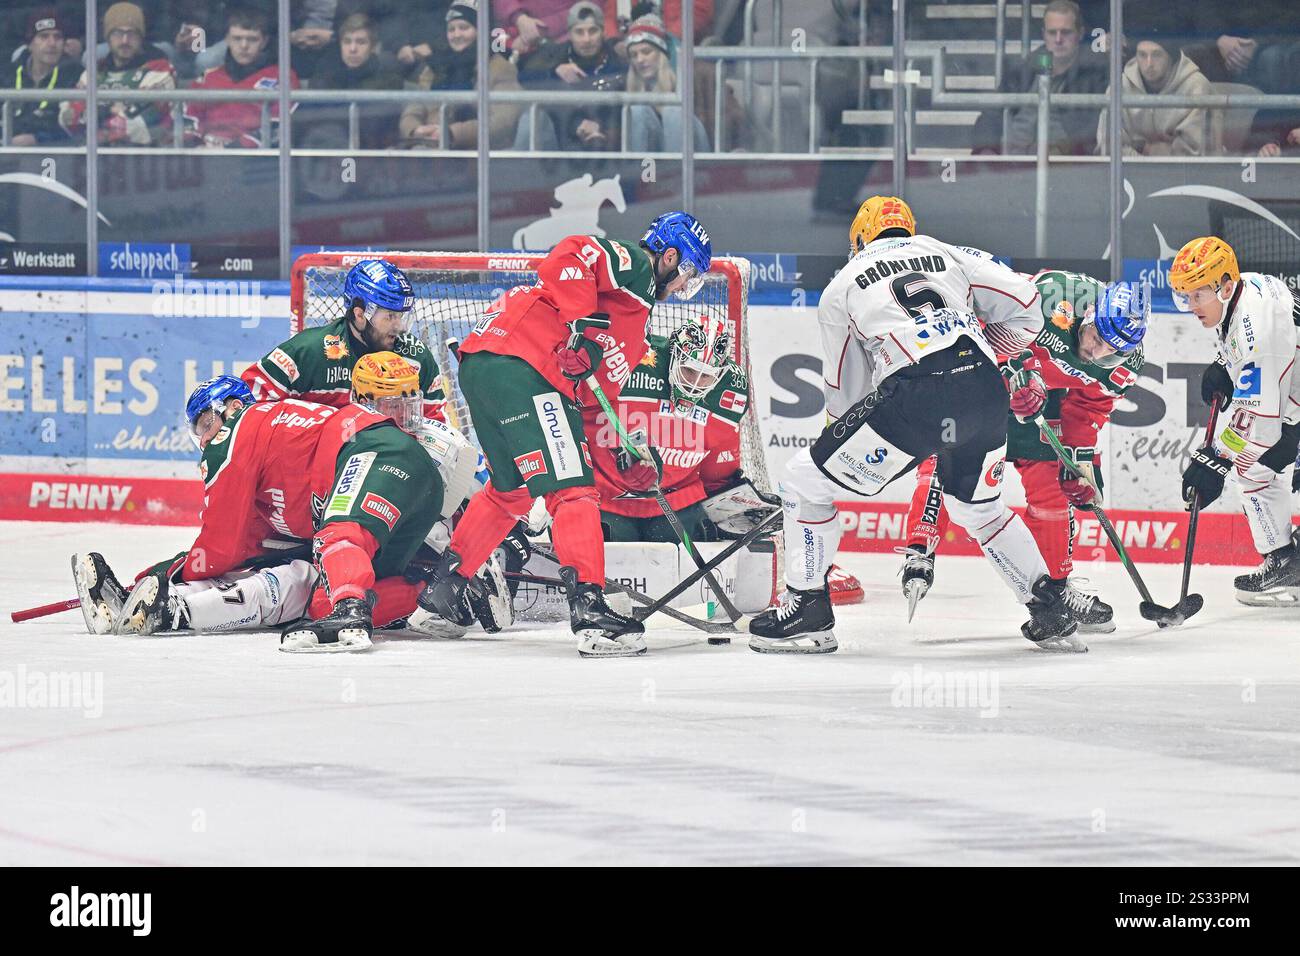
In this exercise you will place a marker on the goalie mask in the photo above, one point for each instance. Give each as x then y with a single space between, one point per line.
388 384
699 355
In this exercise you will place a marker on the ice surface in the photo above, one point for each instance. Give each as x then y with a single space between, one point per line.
1160 747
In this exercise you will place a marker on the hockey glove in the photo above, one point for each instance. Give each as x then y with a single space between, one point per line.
1080 492
580 354
1216 385
1028 394
638 474
1205 476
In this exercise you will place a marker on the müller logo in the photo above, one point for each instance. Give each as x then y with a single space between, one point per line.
102 909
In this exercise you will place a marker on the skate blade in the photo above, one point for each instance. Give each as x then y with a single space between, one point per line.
595 643
818 642
306 641
914 590
1273 597
1068 644
1105 628
426 622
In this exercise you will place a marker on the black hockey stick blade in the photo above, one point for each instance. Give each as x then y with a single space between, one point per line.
1172 616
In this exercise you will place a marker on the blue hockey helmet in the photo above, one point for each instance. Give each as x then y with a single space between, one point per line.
378 284
683 232
213 396
1120 316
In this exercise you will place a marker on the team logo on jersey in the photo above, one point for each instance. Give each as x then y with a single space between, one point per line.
1250 382
1063 316
733 401
381 508
531 465
624 257
725 456
649 358
280 359
220 436
993 477
570 272
335 348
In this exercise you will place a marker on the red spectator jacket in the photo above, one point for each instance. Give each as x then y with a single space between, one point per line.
234 124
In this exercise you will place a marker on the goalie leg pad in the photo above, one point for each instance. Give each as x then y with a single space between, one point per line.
1005 541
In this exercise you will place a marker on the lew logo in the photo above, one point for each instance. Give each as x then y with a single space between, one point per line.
531 464
381 508
570 272
92 497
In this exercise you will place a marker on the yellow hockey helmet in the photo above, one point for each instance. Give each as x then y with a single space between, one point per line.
388 384
1206 261
875 216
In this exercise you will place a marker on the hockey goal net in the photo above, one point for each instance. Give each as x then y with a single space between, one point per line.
453 288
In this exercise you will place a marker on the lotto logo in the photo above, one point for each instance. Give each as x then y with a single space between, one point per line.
531 464
381 508
570 272
280 359
733 401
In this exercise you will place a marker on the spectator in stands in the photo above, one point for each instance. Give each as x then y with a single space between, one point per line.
311 32
1075 69
42 67
654 129
670 11
1160 67
586 60
1256 43
198 43
248 66
130 64
409 31
352 64
1275 133
456 70
530 23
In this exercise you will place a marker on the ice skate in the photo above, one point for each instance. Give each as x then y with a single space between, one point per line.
346 628
151 607
601 631
102 596
1091 613
918 574
1275 583
1051 624
800 624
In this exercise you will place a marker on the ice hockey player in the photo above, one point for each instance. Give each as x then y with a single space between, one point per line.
1254 318
276 586
521 372
909 373
1088 354
350 479
316 364
687 398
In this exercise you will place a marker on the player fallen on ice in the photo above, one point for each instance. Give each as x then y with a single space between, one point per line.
521 372
910 373
1254 318
316 364
363 490
1088 355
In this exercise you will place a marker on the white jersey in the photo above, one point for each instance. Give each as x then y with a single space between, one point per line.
1258 343
899 300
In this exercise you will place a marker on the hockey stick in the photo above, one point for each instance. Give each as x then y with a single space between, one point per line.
643 454
58 607
619 588
1189 604
1163 616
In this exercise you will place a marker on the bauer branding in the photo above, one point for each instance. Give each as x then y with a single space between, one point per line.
75 908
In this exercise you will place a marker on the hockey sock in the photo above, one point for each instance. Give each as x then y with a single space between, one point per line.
1005 541
1053 531
812 523
343 552
575 529
396 599
927 519
487 520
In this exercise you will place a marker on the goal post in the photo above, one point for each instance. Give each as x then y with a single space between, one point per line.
452 289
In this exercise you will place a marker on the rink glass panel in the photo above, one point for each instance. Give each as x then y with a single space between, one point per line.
36 215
